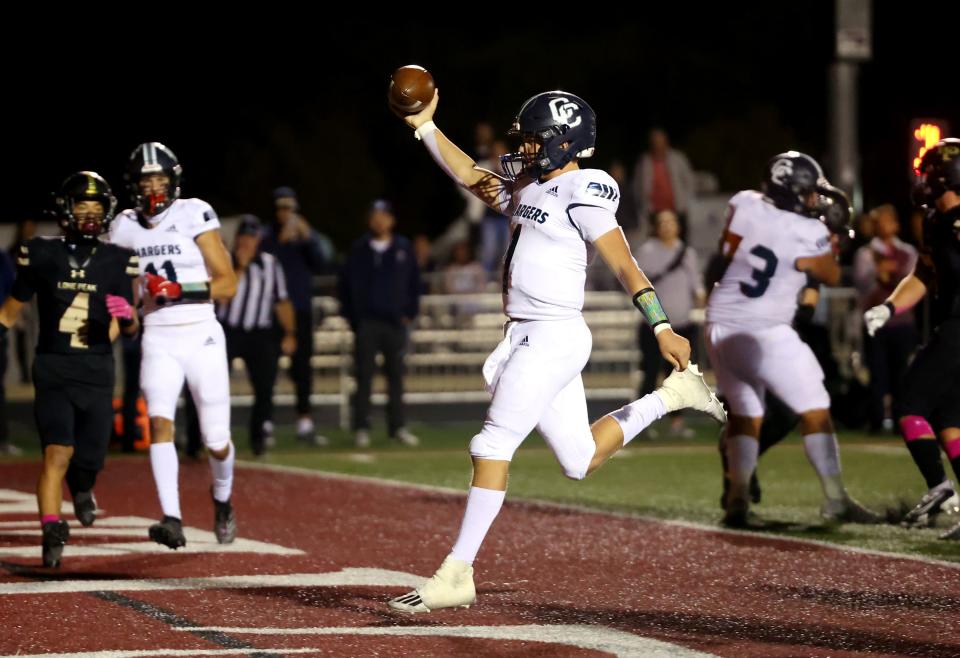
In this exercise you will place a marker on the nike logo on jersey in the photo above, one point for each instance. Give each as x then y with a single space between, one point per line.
159 250
524 211
603 191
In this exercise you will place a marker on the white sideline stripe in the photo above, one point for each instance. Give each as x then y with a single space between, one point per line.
107 522
198 541
596 638
350 577
209 545
690 525
87 532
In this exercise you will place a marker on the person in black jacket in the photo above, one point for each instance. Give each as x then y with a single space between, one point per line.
299 248
379 289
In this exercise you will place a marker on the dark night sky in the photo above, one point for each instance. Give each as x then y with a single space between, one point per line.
250 106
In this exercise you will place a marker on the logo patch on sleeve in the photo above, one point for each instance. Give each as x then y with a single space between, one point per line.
603 191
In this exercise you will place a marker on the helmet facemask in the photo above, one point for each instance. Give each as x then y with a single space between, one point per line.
85 207
155 200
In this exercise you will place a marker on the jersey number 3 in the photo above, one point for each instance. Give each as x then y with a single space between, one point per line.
762 277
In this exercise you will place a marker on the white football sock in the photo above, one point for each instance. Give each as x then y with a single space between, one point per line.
223 475
638 415
166 471
483 505
824 455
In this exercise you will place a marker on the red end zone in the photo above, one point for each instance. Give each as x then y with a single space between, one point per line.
319 557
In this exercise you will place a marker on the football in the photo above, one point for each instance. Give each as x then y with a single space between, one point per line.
411 89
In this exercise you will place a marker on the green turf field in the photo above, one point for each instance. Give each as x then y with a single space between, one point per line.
667 478
670 479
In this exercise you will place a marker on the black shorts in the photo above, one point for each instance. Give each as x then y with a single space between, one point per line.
74 404
931 386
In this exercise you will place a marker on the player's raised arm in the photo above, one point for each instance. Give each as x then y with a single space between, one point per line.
492 189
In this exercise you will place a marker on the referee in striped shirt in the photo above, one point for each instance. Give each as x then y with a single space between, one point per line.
248 321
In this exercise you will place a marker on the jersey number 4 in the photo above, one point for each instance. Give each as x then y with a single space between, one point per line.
168 272
761 276
75 318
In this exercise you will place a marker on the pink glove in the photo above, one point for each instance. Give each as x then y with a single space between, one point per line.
119 307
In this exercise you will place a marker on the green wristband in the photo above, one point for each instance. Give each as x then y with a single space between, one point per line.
195 291
647 303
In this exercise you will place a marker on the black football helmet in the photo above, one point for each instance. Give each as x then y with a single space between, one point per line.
551 120
153 158
939 172
789 179
836 213
84 186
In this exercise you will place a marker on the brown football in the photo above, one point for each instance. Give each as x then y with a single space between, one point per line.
411 89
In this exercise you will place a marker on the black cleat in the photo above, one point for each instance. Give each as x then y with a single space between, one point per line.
224 522
85 508
55 535
168 532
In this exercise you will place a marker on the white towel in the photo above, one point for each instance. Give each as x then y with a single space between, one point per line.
493 366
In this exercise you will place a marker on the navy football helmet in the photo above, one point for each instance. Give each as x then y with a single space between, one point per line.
562 126
147 159
789 179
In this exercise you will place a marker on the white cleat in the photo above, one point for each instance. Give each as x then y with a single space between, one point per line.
362 439
848 510
405 437
686 389
451 587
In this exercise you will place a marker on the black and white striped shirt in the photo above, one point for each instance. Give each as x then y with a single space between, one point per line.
259 288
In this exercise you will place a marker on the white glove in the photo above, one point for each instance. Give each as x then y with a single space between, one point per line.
876 317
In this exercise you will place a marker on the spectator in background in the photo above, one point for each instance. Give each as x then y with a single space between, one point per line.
627 211
878 268
423 252
465 277
663 180
483 138
672 268
25 329
248 320
494 226
7 275
300 251
379 289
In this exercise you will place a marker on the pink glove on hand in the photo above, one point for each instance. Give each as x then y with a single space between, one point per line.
119 307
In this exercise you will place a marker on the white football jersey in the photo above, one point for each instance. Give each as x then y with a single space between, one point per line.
166 246
546 263
761 285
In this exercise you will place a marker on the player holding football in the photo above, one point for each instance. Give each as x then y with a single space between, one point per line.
561 216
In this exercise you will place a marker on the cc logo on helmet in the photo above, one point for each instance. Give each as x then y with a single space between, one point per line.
565 111
780 170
